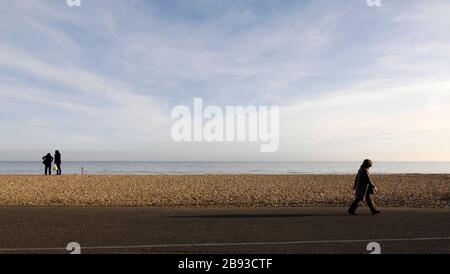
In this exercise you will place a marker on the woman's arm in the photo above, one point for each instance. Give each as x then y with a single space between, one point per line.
369 181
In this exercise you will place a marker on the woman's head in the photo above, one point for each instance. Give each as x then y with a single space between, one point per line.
57 152
367 163
48 154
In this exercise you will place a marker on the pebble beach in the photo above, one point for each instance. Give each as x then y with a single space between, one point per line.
407 191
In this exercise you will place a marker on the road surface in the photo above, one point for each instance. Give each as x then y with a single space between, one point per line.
260 231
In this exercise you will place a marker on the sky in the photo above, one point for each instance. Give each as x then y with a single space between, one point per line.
99 81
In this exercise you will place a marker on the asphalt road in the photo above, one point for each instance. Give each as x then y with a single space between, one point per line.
260 231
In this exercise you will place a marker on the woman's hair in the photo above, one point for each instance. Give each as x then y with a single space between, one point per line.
57 152
367 163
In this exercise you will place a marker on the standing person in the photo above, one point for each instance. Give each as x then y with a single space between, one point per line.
47 161
58 162
363 189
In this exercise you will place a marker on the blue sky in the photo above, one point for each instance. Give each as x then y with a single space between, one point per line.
99 81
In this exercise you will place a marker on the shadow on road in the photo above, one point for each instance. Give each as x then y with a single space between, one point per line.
239 216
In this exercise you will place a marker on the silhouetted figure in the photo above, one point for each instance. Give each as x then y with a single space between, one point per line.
363 189
58 162
47 161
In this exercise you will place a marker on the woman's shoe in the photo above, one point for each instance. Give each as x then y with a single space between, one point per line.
375 212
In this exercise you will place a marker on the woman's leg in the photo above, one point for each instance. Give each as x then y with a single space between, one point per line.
371 204
353 207
59 168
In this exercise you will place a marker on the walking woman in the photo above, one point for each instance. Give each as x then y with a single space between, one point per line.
58 162
47 161
363 189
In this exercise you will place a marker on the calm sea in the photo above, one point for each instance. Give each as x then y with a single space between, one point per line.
226 167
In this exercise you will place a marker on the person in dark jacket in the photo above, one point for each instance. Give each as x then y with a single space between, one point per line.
363 189
58 162
47 161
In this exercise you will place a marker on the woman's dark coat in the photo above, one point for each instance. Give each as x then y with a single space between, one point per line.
363 184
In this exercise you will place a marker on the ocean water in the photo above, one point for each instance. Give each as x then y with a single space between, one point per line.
227 167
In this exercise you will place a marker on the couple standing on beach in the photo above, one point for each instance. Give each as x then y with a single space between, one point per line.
47 161
363 189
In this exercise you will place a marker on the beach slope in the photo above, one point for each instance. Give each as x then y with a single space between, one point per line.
411 191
